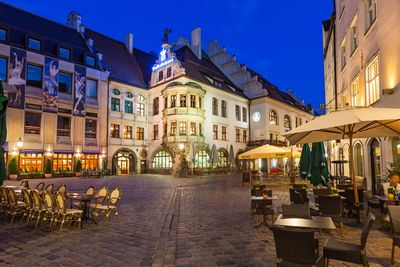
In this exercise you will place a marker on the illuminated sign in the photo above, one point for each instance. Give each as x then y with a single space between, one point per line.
162 64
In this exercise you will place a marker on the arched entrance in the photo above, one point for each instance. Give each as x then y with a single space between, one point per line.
124 162
375 162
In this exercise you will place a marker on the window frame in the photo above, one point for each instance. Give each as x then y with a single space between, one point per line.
128 132
87 63
88 135
140 133
374 60
128 106
97 88
34 65
36 130
66 49
215 131
115 130
34 39
65 73
273 117
66 132
115 104
223 109
214 106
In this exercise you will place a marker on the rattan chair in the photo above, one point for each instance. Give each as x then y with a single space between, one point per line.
110 205
90 191
40 186
296 211
394 214
37 205
349 252
49 188
16 206
25 183
67 215
50 213
331 206
28 210
62 189
296 247
3 201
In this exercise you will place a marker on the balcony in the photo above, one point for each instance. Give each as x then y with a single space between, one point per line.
183 139
184 111
267 142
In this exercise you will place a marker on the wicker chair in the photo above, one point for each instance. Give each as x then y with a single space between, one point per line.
394 214
28 211
40 186
331 206
50 213
62 189
25 183
49 188
16 207
37 205
296 211
67 215
295 247
111 204
343 251
90 191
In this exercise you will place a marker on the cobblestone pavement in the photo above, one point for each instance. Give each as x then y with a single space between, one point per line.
166 221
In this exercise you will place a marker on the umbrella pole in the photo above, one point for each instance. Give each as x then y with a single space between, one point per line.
351 161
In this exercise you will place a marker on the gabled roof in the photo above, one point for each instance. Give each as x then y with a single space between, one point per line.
205 70
22 24
133 69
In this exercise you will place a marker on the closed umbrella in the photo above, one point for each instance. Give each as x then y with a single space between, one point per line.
231 158
305 159
318 172
214 159
3 132
348 124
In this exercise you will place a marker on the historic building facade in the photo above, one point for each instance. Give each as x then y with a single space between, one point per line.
78 94
362 59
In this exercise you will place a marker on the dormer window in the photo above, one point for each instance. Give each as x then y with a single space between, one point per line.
89 61
160 75
3 35
64 53
34 44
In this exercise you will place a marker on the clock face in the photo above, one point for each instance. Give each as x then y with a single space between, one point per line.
256 116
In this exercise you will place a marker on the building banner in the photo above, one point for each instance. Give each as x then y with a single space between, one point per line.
50 85
16 78
80 91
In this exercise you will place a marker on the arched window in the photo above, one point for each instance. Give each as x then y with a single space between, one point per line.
223 158
140 105
201 159
286 122
358 160
162 160
215 106
156 105
141 98
223 108
273 117
396 149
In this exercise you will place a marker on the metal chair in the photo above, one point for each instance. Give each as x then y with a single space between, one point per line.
28 210
50 213
16 206
37 205
67 215
25 183
264 208
110 205
89 192
296 247
298 196
49 188
343 251
394 214
40 186
62 189
331 206
296 211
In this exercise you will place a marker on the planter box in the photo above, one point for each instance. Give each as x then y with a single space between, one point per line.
13 176
47 175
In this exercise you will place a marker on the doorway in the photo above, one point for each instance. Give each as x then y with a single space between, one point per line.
123 165
124 162
375 157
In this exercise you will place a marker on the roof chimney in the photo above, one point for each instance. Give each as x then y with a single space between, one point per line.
129 42
196 42
74 21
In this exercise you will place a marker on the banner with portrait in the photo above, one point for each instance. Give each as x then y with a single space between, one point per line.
50 85
16 78
79 91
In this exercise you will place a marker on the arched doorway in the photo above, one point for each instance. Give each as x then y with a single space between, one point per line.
201 159
375 162
223 158
124 162
162 160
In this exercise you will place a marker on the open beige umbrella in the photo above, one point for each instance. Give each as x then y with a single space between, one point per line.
348 124
266 152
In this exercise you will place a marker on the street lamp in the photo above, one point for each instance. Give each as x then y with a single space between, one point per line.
20 144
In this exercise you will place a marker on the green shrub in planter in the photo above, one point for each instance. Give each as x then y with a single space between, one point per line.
48 167
78 166
12 167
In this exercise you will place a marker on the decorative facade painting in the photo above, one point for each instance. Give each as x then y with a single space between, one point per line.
16 78
50 85
80 91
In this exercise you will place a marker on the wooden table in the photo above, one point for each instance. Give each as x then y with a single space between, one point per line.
316 222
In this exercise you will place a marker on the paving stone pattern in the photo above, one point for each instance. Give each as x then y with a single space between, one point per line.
165 221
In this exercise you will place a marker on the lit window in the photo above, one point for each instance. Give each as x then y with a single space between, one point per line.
215 132
182 127
156 106
237 112
63 126
273 117
62 162
353 32
215 106
356 98
31 162
34 44
182 100
173 101
201 159
114 130
128 107
192 128
286 123
64 53
244 114
3 69
155 131
223 108
65 82
115 104
140 98
192 101
223 133
237 135
91 88
173 128
89 161
372 82
140 109
223 158
162 160
34 77
370 13
90 61
32 122
128 132
139 133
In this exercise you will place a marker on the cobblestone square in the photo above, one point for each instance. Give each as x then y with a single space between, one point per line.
165 221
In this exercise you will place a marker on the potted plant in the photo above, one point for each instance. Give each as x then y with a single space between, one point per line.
78 168
391 193
47 169
265 194
13 169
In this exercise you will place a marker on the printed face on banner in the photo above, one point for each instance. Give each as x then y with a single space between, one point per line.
50 88
16 78
80 91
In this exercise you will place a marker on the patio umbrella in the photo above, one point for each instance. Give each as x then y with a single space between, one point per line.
231 158
318 169
305 159
348 124
3 132
214 159
266 152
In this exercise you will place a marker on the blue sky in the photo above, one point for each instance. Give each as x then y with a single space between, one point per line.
282 40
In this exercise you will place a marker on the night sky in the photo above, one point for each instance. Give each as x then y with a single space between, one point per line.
282 40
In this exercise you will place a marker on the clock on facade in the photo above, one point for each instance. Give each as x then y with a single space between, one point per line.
256 116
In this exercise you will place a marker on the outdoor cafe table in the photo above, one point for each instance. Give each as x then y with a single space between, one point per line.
262 198
384 199
316 222
85 201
